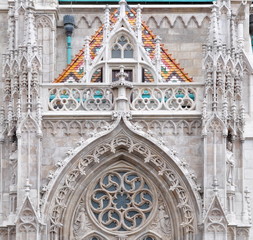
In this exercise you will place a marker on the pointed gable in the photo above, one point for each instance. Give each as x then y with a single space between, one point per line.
27 217
215 218
170 70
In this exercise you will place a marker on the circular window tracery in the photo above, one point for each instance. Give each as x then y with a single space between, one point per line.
122 200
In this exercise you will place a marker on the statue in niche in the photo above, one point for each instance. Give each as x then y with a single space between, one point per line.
81 223
164 220
13 155
13 161
230 162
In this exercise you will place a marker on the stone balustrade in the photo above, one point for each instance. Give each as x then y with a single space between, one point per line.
140 97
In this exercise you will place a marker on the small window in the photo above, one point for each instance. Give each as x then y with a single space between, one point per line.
129 72
97 76
122 48
116 51
147 76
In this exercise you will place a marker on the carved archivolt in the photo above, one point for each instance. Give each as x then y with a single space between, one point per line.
78 170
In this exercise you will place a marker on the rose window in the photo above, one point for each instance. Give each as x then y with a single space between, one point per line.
121 201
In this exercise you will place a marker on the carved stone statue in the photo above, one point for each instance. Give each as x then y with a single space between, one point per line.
230 162
13 155
164 220
81 222
13 161
81 219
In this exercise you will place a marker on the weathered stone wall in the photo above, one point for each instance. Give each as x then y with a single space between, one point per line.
4 36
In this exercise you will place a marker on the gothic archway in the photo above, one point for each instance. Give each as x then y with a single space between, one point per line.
118 150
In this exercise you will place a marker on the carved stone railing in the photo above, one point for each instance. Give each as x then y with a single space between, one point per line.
74 98
174 98
142 97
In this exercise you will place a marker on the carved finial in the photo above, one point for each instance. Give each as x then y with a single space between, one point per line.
87 49
87 54
233 110
139 23
158 54
19 109
214 29
242 114
122 4
29 105
1 115
225 109
215 104
9 112
215 186
121 75
27 187
106 22
204 109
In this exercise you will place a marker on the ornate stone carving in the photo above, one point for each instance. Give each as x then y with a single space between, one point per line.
161 128
81 225
28 221
72 99
43 22
13 162
61 198
242 233
216 223
173 98
124 198
85 128
230 163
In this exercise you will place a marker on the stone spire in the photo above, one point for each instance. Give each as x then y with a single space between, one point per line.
122 8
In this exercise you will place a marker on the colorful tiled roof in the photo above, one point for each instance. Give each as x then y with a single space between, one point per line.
170 70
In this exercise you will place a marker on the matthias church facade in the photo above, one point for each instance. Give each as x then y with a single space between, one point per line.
126 121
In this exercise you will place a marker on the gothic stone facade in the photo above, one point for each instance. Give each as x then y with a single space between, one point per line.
123 143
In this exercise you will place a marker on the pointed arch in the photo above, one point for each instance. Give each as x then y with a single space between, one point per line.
215 123
23 64
35 64
150 235
103 151
7 71
83 23
21 10
205 22
43 21
152 23
208 62
215 220
220 63
193 23
15 68
95 235
96 22
165 23
28 124
179 23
